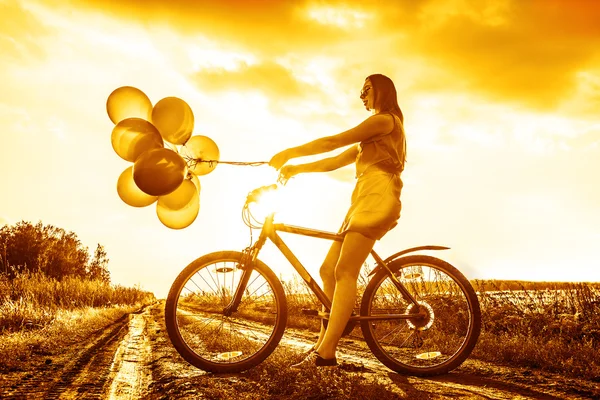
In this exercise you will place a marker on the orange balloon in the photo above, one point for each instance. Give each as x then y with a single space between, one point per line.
201 148
128 102
130 193
158 172
133 136
179 197
182 218
174 119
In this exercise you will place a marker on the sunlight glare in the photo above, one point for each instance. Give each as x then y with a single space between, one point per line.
268 202
429 355
341 17
229 355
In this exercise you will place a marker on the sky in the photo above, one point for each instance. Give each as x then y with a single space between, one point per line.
501 102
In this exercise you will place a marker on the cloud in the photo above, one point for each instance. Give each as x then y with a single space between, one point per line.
588 140
269 78
526 52
19 33
584 100
267 26
522 52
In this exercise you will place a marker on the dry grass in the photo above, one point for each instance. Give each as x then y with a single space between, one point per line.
277 381
556 328
34 300
273 379
68 327
553 327
40 315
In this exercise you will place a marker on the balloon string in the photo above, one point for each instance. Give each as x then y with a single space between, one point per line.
194 161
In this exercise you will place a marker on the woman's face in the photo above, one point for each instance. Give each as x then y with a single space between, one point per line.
367 95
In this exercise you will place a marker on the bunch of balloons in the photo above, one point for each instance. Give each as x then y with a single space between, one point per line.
167 159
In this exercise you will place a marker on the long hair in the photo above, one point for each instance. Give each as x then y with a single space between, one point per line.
386 100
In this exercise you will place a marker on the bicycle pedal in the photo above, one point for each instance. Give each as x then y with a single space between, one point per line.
307 311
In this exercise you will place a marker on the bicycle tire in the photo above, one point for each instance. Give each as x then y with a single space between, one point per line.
197 325
450 337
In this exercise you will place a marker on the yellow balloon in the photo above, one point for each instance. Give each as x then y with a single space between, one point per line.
194 178
128 102
201 148
174 119
133 136
178 198
182 218
130 193
159 171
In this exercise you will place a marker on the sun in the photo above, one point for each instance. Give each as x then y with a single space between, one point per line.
289 202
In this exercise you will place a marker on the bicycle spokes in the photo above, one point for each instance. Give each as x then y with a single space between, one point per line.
437 327
212 326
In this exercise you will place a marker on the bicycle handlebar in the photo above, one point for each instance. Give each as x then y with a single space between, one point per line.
255 194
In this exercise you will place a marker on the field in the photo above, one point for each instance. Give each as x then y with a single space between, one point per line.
38 313
549 327
552 326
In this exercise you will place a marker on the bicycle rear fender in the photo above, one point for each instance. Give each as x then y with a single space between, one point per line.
400 253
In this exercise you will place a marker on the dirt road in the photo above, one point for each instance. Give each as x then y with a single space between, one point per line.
133 358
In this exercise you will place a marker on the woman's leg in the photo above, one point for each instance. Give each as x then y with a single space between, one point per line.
327 273
354 252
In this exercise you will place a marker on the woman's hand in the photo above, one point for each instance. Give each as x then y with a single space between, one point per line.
286 172
279 159
289 171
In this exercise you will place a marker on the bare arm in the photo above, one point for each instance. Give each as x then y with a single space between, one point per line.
374 125
327 164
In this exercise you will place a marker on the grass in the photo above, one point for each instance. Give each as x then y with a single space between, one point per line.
549 326
34 300
40 315
554 328
277 381
273 379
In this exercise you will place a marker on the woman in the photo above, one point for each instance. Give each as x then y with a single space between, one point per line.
379 152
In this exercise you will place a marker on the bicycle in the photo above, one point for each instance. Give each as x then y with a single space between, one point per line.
227 311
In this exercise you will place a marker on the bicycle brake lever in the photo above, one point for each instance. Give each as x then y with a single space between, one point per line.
282 180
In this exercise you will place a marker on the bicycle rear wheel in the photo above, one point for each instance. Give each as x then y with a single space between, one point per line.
436 341
198 327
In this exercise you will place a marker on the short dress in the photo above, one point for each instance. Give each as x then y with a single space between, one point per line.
375 202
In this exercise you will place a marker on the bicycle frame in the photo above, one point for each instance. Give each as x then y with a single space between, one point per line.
269 231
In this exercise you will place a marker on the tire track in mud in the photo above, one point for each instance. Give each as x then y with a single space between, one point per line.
474 379
87 375
133 358
82 371
130 371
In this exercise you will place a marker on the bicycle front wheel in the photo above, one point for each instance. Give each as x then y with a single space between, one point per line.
205 334
447 319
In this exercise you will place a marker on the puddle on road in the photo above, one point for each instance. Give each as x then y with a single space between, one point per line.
129 363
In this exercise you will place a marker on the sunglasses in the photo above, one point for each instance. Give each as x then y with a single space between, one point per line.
363 93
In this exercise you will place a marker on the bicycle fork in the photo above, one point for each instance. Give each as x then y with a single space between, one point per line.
246 264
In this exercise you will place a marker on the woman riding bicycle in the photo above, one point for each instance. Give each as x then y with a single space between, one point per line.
379 152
